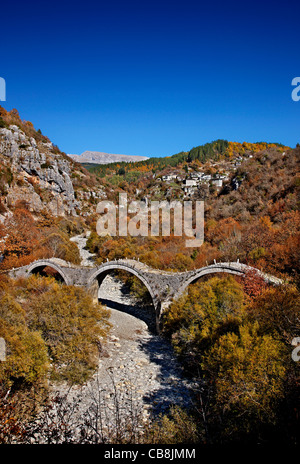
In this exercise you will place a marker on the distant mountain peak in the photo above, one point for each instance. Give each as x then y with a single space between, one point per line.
98 157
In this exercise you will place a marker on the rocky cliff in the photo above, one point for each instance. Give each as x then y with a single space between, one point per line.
42 177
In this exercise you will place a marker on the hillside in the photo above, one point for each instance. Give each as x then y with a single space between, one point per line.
250 193
216 151
231 335
34 172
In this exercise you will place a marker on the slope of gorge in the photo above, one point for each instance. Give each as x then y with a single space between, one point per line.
35 173
232 336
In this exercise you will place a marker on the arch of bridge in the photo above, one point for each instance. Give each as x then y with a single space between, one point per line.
47 263
213 269
104 269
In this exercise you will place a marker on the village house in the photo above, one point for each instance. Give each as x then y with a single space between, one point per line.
217 182
196 175
206 177
189 190
189 183
168 177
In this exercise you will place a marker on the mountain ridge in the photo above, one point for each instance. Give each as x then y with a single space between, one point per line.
98 157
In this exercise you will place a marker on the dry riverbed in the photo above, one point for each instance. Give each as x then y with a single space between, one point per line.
138 374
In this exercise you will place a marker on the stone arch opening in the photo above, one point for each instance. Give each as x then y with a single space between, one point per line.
48 270
113 288
206 274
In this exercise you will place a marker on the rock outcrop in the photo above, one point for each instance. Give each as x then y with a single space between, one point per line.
43 177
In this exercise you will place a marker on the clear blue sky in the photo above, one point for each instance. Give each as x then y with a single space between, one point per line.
152 77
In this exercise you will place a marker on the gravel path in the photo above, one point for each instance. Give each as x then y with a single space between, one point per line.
87 258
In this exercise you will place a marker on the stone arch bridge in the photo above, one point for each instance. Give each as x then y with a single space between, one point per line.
163 286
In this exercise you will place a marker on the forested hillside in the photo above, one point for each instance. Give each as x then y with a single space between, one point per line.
253 217
217 150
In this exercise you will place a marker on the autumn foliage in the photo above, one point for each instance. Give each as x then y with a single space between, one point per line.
234 340
26 239
232 335
257 224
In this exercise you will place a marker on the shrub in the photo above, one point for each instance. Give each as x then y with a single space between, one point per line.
175 427
72 326
248 373
27 360
196 320
56 324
